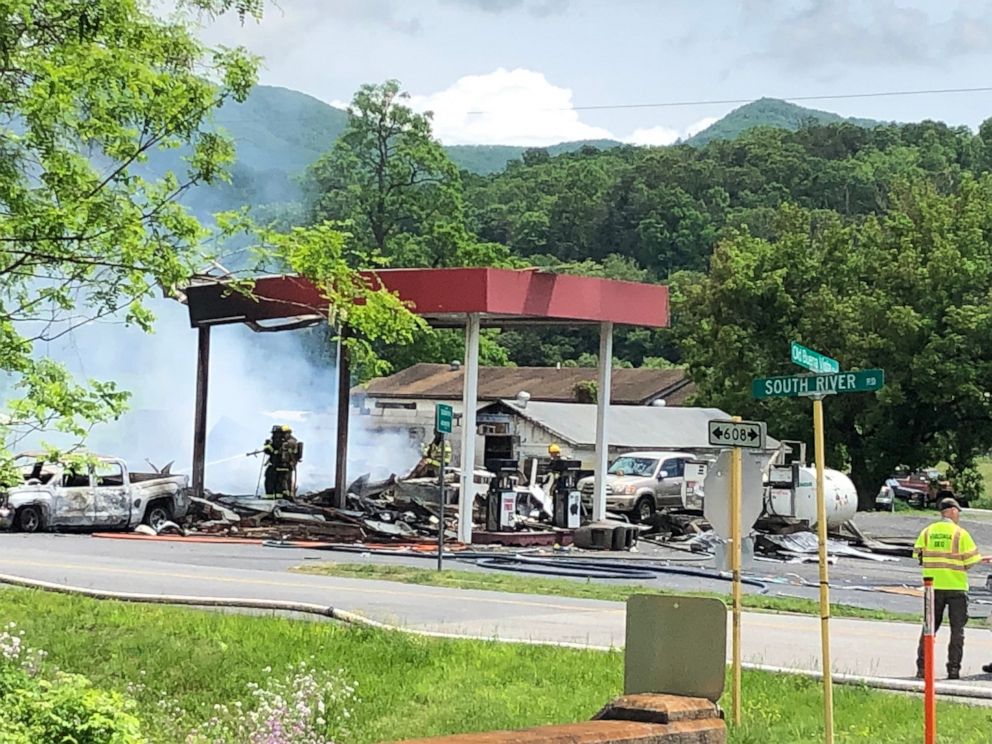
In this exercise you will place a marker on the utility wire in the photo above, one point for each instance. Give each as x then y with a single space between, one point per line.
839 96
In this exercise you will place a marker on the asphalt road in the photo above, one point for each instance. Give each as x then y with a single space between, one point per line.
859 647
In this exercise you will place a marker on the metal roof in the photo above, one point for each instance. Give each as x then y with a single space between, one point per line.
635 427
427 381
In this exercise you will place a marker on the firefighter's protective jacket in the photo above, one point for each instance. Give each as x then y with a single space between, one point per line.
946 552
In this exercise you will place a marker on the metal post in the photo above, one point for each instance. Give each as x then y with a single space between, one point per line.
200 412
466 497
344 400
440 513
929 695
736 487
821 529
603 387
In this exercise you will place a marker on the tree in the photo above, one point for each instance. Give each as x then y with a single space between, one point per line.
393 182
87 90
907 291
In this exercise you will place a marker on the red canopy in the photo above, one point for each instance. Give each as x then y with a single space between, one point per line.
445 296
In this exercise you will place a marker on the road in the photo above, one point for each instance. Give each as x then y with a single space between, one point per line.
859 647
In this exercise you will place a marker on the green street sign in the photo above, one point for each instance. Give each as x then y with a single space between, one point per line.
443 416
814 361
797 386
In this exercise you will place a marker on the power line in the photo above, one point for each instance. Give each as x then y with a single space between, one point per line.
839 96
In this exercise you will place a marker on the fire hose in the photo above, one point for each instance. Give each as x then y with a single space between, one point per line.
351 618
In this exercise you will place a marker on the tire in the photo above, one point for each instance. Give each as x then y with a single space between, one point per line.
29 519
644 510
156 513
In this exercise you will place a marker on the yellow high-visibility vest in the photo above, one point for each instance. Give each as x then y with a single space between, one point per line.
946 552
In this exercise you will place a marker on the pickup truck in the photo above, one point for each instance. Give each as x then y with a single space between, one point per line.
640 483
101 494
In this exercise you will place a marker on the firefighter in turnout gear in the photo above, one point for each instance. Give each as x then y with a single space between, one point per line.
284 453
431 452
946 551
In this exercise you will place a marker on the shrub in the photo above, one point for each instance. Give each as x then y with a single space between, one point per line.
65 708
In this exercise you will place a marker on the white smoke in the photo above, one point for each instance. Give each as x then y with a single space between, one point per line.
257 380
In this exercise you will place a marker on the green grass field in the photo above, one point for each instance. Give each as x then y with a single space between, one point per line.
508 582
410 686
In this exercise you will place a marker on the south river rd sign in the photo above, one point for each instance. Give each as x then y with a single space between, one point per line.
862 381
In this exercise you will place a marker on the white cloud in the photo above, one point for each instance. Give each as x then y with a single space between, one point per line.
518 107
653 136
658 136
522 107
697 127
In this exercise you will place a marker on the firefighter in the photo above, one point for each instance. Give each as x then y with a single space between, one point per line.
946 551
284 453
431 452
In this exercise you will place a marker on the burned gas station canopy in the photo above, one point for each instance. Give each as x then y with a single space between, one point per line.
469 298
444 297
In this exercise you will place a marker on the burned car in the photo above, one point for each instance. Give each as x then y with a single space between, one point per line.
90 492
921 489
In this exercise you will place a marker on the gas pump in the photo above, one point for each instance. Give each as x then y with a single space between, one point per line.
566 499
501 500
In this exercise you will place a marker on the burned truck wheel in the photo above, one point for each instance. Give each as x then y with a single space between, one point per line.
644 510
157 513
28 519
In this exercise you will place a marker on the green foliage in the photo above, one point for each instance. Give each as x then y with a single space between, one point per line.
418 687
393 182
67 708
908 292
968 482
87 91
56 708
770 112
372 314
585 391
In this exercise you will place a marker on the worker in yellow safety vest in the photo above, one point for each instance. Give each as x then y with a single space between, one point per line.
946 551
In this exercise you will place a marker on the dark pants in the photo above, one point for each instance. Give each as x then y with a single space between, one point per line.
957 609
278 481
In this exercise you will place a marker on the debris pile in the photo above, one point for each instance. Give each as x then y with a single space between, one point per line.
380 511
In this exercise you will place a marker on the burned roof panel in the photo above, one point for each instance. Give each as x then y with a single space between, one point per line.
442 382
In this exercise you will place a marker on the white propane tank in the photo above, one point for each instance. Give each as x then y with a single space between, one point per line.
838 491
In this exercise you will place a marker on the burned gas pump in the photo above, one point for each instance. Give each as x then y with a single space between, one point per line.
566 499
501 500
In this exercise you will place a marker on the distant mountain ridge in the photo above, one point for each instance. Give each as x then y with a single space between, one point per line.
279 132
770 112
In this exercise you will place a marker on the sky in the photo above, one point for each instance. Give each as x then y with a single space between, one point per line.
515 71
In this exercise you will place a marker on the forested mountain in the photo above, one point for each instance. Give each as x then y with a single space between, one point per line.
770 112
280 132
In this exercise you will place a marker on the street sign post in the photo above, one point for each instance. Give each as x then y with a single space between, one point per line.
806 386
814 361
817 387
443 417
735 434
750 434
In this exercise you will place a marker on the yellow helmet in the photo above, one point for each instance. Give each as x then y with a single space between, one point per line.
285 428
554 449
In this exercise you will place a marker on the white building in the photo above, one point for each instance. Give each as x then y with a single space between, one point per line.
405 401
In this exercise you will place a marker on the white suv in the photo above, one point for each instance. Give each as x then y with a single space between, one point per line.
640 483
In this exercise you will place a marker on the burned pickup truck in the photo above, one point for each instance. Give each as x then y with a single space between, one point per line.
90 493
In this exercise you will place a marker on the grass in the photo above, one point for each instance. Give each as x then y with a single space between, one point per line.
498 582
415 687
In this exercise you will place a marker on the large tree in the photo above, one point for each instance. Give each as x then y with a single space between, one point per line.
393 182
87 90
909 291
